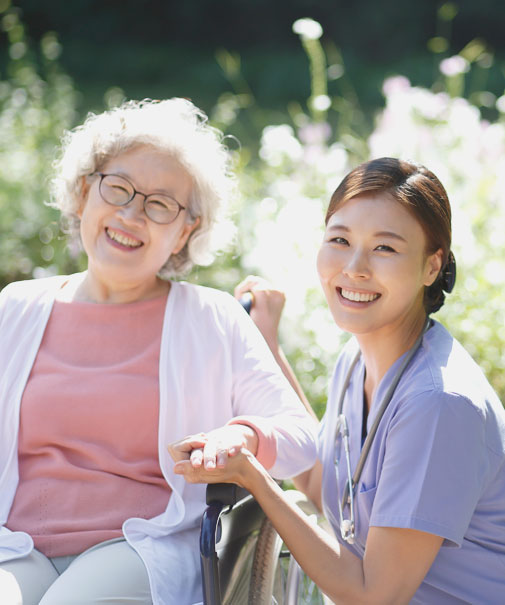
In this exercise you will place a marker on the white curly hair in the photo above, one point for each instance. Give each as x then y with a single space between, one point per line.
175 126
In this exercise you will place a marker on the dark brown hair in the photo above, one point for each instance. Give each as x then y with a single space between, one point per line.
421 193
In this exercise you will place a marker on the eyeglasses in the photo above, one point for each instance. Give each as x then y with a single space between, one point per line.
118 191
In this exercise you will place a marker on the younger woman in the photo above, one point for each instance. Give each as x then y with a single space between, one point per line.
410 415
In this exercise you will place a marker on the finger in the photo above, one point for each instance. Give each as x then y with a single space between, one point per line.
178 451
246 285
221 457
199 475
187 445
191 474
209 455
234 472
196 458
183 467
184 452
181 450
188 442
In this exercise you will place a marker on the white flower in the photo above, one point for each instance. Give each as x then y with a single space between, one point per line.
500 104
279 143
494 270
314 133
308 29
292 238
454 66
334 165
395 84
321 102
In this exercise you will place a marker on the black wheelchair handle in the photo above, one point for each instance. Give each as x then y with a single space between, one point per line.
225 493
246 300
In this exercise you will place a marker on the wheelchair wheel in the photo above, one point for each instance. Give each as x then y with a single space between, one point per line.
276 577
266 572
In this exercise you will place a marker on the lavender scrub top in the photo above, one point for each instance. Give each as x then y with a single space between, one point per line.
437 464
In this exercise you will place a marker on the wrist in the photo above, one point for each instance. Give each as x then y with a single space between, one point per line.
251 439
254 476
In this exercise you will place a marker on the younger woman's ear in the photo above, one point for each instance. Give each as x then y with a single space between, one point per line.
83 186
433 266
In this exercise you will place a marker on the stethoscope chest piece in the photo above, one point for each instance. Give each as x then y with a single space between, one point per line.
347 530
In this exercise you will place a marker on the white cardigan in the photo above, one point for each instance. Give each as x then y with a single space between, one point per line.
214 364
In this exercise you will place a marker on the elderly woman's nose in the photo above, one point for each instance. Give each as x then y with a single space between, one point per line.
134 209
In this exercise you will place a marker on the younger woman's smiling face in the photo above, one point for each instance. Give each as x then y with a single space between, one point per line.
373 265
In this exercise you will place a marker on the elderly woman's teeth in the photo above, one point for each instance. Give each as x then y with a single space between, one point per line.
122 239
358 296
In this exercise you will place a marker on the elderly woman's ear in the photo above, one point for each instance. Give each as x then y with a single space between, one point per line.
84 185
185 233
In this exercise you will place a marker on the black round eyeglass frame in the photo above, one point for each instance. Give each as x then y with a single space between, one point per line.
135 192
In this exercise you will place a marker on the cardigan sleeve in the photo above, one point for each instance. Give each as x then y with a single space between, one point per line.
264 399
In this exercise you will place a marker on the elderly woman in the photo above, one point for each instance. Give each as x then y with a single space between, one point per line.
102 369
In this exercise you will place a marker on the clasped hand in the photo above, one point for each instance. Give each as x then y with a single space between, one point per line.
219 456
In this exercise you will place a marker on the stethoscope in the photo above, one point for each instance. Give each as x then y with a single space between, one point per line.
347 526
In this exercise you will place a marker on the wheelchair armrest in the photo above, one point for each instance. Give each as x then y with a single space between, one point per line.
228 532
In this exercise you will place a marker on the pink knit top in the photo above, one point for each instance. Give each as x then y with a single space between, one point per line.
88 439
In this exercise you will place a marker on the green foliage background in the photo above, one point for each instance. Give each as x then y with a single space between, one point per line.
289 160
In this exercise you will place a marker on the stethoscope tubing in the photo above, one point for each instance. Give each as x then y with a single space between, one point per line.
348 497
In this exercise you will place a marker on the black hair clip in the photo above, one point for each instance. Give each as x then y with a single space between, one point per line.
449 273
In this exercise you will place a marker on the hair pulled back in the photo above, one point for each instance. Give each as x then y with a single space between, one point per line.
423 195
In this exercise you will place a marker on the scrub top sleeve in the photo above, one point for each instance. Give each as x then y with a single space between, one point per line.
434 467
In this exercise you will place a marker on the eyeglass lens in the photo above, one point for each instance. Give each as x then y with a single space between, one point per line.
118 191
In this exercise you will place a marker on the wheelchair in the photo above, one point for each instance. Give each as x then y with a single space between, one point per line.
243 559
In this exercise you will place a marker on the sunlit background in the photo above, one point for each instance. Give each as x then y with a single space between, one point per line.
307 89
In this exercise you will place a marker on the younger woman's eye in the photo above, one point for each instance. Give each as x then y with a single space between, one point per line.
385 248
339 240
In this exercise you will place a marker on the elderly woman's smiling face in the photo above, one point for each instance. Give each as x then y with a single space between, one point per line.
125 247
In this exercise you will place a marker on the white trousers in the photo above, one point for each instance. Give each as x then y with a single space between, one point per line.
110 572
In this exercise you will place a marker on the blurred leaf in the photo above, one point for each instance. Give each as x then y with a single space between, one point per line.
438 44
448 11
229 62
473 50
35 108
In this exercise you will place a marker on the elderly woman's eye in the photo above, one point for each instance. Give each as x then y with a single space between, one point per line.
118 189
159 204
